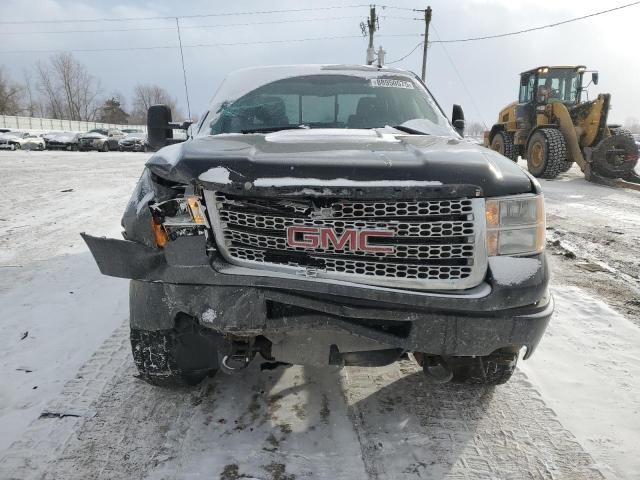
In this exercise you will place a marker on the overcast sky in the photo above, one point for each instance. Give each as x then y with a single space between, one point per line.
488 68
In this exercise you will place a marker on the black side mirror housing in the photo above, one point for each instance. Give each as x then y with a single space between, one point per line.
159 134
595 77
457 119
160 127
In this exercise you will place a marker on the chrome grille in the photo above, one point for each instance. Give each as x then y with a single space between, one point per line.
433 244
400 209
402 251
400 228
397 270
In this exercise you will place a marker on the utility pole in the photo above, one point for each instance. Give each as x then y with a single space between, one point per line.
372 24
427 21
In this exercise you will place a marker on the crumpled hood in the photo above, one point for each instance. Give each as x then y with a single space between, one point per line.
352 155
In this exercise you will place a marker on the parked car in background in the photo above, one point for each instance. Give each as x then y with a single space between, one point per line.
21 140
134 142
100 139
62 141
49 135
93 140
131 130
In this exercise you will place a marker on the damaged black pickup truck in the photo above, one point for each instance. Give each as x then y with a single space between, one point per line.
329 215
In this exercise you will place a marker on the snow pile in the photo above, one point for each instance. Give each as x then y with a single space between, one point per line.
338 182
588 370
218 175
509 271
209 315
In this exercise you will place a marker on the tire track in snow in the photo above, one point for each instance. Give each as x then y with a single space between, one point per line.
46 438
409 429
294 423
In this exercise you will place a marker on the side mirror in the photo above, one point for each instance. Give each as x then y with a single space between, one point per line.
159 133
457 119
594 77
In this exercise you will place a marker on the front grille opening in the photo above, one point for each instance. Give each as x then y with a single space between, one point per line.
425 241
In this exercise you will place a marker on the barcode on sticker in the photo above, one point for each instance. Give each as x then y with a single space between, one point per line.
388 82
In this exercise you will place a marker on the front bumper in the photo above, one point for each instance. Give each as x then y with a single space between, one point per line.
135 147
182 279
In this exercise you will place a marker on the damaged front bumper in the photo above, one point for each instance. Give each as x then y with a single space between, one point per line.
238 301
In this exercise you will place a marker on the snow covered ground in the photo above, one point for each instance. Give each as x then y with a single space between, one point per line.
71 408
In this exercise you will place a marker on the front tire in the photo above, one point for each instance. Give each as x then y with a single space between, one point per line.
105 147
502 143
494 369
182 356
547 153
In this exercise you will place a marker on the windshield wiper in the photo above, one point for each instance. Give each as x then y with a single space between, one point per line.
274 129
410 130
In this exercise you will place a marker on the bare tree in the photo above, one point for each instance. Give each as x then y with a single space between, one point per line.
32 105
51 97
632 124
474 129
10 94
69 91
146 95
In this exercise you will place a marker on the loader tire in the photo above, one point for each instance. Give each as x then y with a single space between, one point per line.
180 357
546 153
493 369
502 143
566 166
617 166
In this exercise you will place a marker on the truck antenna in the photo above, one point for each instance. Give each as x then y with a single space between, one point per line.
184 71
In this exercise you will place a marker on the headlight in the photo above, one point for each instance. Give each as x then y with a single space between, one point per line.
178 217
515 225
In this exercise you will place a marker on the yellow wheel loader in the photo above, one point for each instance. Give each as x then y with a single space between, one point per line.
554 124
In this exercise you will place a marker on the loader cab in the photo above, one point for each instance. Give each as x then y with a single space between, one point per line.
543 85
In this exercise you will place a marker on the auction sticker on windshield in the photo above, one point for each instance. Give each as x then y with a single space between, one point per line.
387 82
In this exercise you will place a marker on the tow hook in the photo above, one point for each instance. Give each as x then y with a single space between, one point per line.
232 364
436 369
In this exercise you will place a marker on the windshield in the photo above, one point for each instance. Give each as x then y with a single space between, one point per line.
559 85
332 101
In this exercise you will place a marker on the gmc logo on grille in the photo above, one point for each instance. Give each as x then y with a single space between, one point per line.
350 240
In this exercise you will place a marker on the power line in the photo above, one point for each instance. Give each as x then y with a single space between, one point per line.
203 45
184 27
218 25
133 19
550 25
402 58
464 85
407 9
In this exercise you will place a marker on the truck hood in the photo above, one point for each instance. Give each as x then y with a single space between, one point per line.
335 156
